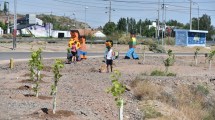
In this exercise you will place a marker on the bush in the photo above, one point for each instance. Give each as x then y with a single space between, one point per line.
203 89
149 42
158 73
8 36
211 115
145 90
154 47
124 39
170 41
150 112
171 74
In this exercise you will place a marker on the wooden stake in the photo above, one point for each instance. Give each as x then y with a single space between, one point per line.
11 63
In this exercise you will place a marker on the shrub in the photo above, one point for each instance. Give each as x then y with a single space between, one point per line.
171 74
124 39
210 115
170 60
7 36
150 112
170 41
202 89
146 90
157 73
154 47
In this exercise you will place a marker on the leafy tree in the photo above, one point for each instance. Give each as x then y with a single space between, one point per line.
56 70
150 32
205 24
117 89
187 26
195 23
109 28
205 21
122 25
3 26
6 9
131 24
174 23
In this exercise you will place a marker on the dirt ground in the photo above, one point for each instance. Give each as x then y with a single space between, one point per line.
82 89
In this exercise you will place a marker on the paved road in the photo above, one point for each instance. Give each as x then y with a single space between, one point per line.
46 55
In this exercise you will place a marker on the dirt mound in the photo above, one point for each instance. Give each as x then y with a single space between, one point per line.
45 113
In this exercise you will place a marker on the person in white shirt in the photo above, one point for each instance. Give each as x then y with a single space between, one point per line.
109 58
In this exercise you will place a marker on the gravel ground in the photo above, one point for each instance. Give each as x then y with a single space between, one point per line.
81 90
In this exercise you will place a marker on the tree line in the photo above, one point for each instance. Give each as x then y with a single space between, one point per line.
141 27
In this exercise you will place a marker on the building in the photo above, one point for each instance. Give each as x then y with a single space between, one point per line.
190 37
1 31
153 25
29 26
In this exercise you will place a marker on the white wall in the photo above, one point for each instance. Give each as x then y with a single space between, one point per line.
39 22
36 30
1 31
55 33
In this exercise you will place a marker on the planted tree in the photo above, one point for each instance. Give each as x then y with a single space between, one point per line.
143 49
36 66
169 61
196 55
117 89
210 58
56 70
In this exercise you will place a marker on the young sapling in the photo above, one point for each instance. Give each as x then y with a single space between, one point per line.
56 70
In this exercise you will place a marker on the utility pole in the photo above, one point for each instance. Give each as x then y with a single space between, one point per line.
74 19
140 30
110 11
85 18
162 21
191 14
15 25
198 12
198 17
158 27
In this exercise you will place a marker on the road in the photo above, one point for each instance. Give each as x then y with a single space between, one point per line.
47 55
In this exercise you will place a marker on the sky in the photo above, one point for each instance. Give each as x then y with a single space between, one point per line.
96 12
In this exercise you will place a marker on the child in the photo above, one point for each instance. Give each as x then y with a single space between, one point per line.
74 51
109 58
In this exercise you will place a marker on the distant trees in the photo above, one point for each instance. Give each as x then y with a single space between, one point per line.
3 26
126 25
121 26
109 28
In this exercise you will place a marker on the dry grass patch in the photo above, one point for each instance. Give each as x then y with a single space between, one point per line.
191 101
144 89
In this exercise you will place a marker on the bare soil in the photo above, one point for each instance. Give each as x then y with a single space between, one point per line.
82 89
